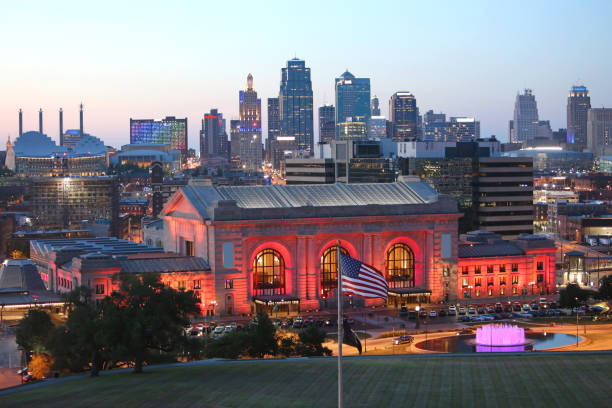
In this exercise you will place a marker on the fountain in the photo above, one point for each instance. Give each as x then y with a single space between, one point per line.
500 337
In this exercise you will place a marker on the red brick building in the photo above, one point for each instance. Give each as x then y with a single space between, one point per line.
273 247
489 267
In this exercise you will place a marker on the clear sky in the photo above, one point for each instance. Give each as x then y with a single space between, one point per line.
149 59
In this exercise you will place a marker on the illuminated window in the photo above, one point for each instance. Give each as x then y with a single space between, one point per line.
477 281
477 269
329 269
465 282
100 289
490 292
269 273
489 268
515 279
502 280
189 248
182 285
502 291
477 292
514 290
197 284
400 266
465 270
446 271
502 268
229 284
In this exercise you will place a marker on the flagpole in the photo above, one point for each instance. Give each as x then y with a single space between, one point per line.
340 324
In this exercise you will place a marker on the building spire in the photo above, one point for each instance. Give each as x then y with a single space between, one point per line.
249 82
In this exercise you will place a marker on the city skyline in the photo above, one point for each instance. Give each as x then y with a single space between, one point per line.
118 82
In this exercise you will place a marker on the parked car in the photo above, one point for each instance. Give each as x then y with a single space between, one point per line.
452 307
490 309
403 340
516 307
423 313
219 330
452 312
480 310
498 308
442 313
471 310
526 307
298 324
508 308
403 311
228 329
462 310
433 313
464 318
535 306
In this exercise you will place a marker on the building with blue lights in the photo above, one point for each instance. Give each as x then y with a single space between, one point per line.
578 105
170 131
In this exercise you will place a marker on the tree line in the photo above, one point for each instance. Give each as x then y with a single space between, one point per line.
143 323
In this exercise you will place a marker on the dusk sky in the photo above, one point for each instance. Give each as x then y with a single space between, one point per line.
152 59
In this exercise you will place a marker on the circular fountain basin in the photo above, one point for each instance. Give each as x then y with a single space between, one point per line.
467 343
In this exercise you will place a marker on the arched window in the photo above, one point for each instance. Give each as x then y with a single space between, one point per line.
269 273
400 266
329 269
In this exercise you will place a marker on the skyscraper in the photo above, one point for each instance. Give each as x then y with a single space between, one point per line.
327 123
578 105
213 138
295 104
404 115
524 126
375 108
250 128
352 99
273 119
235 143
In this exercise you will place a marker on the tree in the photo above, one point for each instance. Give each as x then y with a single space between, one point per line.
605 288
78 345
40 365
262 337
144 316
33 331
573 295
311 343
287 346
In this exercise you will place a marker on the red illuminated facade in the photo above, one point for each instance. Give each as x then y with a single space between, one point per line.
489 267
274 246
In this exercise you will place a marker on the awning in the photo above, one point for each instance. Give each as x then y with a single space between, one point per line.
409 291
276 300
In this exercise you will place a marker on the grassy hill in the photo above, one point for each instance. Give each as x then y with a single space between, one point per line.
536 380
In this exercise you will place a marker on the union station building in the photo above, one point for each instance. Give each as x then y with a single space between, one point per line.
274 247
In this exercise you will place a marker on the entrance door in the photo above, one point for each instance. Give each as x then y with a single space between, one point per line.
229 304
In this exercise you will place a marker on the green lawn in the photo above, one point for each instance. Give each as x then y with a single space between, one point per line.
524 381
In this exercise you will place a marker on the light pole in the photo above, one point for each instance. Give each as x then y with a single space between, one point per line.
418 317
576 299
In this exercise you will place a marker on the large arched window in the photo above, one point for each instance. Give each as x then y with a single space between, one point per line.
329 269
400 266
269 273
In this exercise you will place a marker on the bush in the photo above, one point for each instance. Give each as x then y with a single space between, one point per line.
40 366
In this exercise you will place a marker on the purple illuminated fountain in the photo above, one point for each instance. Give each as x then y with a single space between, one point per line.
500 337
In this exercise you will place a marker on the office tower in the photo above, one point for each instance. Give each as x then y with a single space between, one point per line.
377 127
327 123
40 121
578 105
213 139
81 120
463 129
503 195
61 127
235 143
599 131
273 119
351 130
60 202
375 109
20 122
295 104
250 128
169 130
404 115
435 126
352 99
524 126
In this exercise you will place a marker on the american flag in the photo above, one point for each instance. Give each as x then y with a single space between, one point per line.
362 280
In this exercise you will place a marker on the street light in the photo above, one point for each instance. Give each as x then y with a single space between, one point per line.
418 317
576 299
